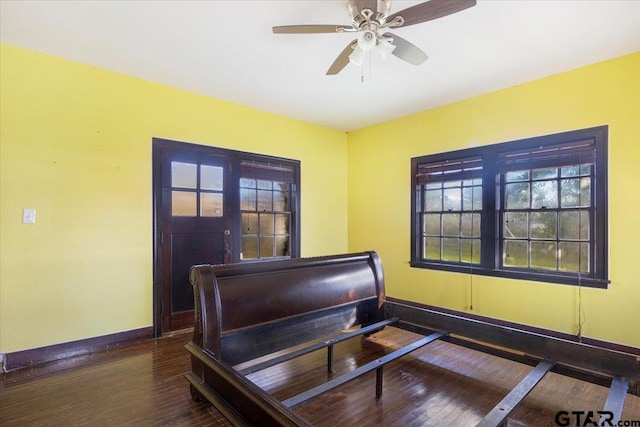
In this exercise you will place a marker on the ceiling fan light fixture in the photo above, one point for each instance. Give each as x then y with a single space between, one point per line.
367 40
356 56
385 48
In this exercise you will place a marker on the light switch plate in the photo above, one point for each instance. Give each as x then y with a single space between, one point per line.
28 216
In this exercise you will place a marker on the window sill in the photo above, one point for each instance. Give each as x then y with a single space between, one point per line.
537 276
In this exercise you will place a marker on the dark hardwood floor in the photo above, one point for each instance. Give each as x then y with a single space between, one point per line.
439 385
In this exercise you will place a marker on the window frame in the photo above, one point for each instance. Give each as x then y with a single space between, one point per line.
450 178
271 170
492 210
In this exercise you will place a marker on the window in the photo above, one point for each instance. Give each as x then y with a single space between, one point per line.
196 190
532 209
451 211
266 205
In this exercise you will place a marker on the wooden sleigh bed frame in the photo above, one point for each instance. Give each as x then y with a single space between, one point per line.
251 316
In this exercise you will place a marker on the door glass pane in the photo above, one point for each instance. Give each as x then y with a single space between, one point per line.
211 177
184 175
211 204
184 203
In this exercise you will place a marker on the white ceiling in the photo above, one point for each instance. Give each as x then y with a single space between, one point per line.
226 49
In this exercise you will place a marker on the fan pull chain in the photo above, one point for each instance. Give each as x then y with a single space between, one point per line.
367 55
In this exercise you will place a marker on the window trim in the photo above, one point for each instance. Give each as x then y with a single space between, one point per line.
491 210
282 170
270 164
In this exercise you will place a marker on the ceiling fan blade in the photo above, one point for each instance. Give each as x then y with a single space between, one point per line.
342 60
406 50
310 29
430 10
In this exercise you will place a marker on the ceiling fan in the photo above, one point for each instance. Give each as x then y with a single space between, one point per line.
368 18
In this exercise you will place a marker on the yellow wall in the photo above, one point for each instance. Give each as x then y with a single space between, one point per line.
606 93
75 143
76 146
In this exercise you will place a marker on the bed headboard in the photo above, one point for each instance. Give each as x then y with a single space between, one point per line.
244 311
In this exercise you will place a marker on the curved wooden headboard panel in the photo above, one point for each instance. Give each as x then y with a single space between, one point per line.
247 310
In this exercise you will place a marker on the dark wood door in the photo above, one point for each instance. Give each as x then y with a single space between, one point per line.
193 205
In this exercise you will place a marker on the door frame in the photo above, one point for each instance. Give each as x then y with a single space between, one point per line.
159 147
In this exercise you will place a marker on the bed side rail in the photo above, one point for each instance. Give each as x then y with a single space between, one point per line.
578 360
238 399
